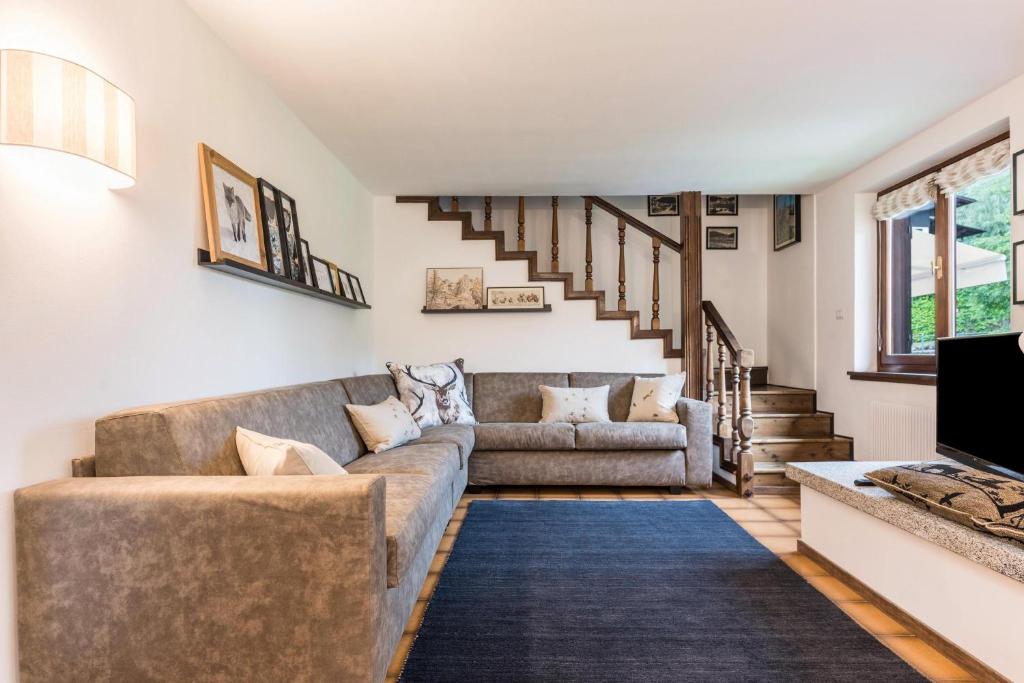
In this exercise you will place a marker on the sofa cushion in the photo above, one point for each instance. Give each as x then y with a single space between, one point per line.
426 459
655 398
459 435
981 500
434 394
512 396
413 504
574 404
525 436
630 436
267 456
384 425
198 437
367 390
620 389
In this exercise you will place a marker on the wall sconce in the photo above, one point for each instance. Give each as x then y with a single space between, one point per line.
51 103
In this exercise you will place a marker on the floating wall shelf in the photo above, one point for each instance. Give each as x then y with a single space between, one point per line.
546 309
279 281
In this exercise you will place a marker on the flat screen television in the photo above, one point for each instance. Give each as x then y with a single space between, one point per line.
979 402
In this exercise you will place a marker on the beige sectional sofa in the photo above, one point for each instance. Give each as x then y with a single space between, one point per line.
137 569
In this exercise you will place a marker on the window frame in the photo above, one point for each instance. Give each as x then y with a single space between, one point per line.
945 286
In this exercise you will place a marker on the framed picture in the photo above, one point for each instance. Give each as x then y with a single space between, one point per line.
662 205
356 287
786 220
336 280
1018 183
289 219
717 237
321 274
722 205
307 270
515 297
452 288
1018 272
233 218
271 228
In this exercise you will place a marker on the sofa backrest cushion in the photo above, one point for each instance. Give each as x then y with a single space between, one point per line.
620 389
198 437
368 390
512 396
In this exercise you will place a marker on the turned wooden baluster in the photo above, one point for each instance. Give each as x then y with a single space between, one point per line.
622 264
722 412
487 213
745 456
455 204
709 384
735 409
589 211
656 288
554 234
522 223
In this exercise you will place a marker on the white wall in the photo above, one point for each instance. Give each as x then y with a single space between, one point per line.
791 304
846 254
104 306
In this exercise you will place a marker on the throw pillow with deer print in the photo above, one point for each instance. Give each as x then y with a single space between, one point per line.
434 394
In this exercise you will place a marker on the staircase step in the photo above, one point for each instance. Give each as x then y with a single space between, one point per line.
772 399
783 449
792 424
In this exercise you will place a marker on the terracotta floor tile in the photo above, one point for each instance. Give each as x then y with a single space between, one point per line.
428 586
874 620
785 514
640 495
416 618
749 515
803 565
483 495
400 654
685 495
518 495
780 545
719 493
559 493
760 529
599 495
453 527
795 526
460 513
438 563
771 502
926 659
834 589
735 503
445 546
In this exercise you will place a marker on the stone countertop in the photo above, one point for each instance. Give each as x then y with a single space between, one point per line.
835 480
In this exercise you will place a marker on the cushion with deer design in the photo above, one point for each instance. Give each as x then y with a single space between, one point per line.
972 497
434 394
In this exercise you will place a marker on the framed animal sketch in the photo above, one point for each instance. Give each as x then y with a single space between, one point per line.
515 297
321 274
1018 183
717 237
234 221
455 288
307 271
356 287
722 205
289 219
271 229
662 205
786 220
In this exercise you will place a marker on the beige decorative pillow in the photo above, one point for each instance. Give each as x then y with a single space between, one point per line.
264 456
574 405
654 398
385 425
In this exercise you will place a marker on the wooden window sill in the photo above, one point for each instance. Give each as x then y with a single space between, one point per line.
925 378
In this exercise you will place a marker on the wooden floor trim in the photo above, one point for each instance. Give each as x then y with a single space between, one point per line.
973 666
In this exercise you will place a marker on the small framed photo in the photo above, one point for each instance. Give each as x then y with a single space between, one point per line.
336 280
717 237
786 215
662 205
454 288
290 237
355 288
1018 272
321 274
1018 183
307 270
515 297
722 205
234 221
271 228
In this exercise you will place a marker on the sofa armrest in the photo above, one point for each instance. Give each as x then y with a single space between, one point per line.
196 578
696 417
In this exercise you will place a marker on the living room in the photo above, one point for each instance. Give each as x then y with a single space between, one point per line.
631 328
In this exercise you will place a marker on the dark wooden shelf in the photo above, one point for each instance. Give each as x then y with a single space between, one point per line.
546 309
925 378
279 281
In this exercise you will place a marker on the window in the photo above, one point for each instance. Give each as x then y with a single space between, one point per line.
944 250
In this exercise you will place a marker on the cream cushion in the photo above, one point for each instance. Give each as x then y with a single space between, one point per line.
263 455
384 425
575 405
655 398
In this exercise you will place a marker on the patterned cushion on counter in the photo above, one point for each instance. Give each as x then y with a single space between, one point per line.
987 502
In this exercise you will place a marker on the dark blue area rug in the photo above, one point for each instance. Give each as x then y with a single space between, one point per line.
631 591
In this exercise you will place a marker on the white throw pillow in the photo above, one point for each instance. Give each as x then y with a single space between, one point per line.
384 425
264 455
575 405
434 394
654 398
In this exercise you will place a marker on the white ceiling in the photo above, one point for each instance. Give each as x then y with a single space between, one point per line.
510 97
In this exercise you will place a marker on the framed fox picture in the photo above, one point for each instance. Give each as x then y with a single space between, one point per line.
234 222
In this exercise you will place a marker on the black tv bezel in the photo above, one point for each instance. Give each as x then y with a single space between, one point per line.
955 453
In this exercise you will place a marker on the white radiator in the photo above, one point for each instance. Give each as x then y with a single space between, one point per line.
901 432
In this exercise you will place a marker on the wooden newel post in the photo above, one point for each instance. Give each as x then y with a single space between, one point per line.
656 288
487 213
554 234
745 457
622 264
590 247
522 224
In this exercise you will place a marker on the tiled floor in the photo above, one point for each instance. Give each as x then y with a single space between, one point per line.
772 520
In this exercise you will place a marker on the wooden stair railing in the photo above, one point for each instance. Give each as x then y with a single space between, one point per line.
734 428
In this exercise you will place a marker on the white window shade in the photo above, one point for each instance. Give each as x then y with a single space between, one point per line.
989 161
910 196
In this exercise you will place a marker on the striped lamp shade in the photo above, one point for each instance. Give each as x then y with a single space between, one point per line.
55 104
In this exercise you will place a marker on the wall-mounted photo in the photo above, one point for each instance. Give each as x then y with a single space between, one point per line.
1018 272
662 205
356 287
515 297
1018 183
455 288
289 217
307 270
717 237
234 221
271 229
338 281
722 205
321 274
786 220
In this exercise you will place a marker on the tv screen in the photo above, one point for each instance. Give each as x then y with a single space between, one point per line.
978 401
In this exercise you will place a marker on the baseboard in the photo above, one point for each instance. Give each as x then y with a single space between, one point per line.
966 661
